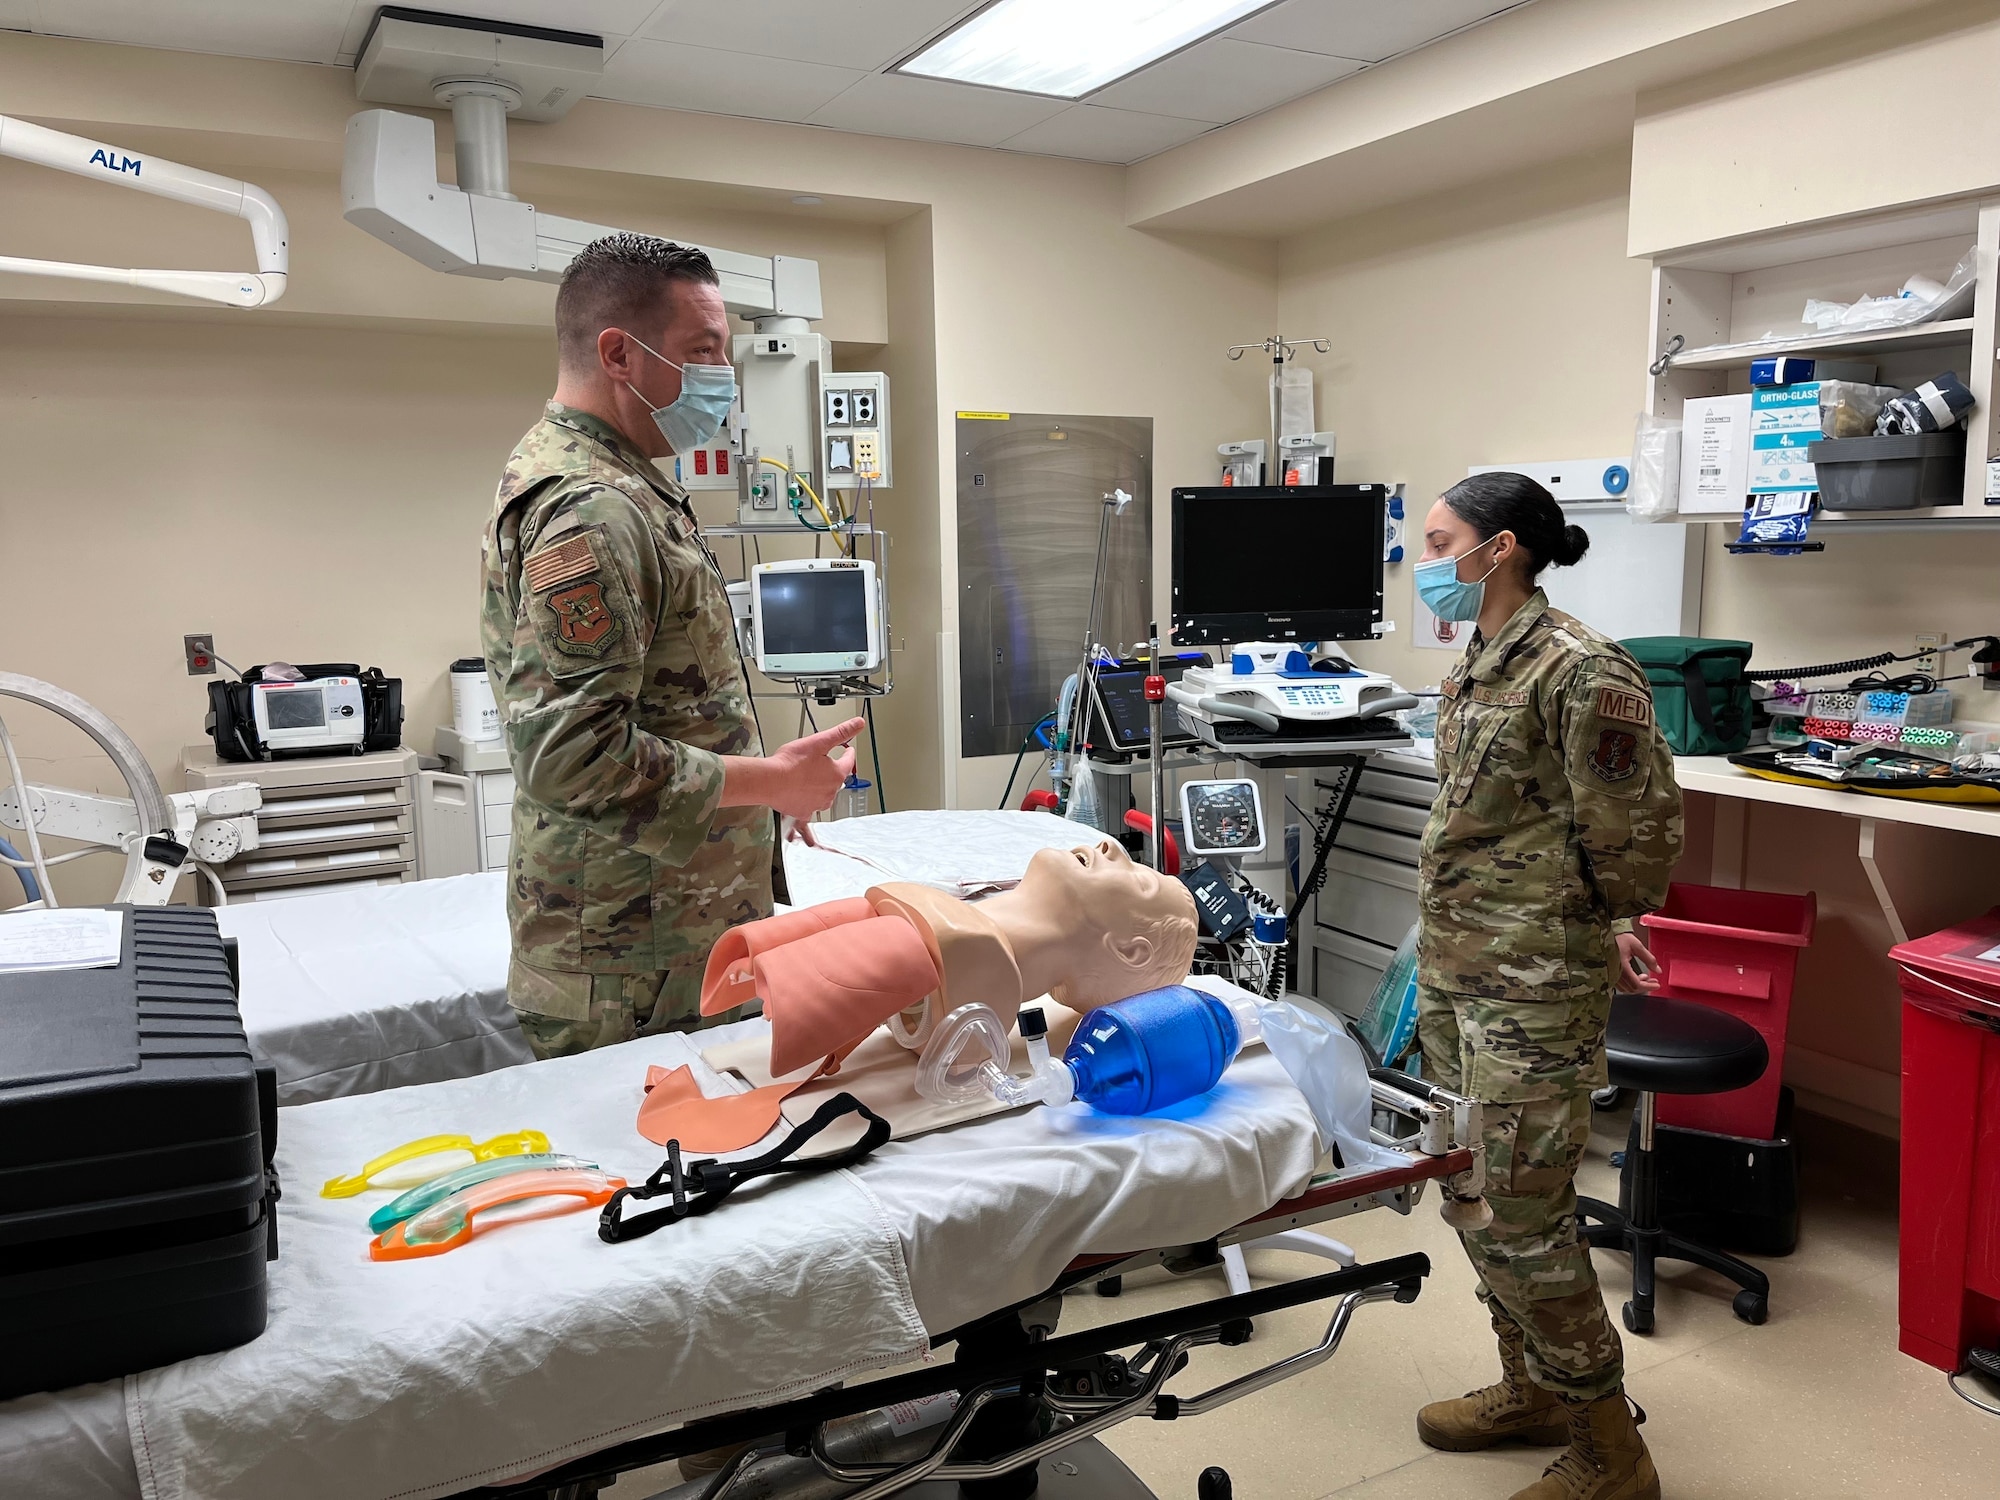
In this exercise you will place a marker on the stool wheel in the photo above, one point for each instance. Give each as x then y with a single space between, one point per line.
1638 1319
1752 1307
1606 1098
1111 1286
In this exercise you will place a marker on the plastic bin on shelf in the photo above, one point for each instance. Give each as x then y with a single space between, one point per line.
1737 951
1949 1255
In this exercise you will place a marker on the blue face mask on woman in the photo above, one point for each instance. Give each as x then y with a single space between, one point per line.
696 415
1444 595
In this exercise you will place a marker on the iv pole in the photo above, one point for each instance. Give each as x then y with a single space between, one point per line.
1281 350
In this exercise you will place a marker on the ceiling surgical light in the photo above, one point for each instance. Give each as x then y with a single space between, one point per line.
1066 49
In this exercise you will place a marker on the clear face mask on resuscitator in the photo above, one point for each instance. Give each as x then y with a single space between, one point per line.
1444 595
696 415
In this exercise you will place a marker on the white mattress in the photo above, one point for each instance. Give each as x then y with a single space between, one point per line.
538 1342
346 992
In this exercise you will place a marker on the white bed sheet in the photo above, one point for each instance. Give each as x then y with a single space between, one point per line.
346 992
538 1342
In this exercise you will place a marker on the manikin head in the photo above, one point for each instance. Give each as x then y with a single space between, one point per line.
1115 927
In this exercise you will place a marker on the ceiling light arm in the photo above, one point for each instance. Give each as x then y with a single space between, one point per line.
390 188
164 179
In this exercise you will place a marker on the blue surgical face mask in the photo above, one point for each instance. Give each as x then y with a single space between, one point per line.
1444 595
696 415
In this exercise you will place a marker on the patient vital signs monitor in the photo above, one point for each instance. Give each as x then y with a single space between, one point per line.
816 617
1272 563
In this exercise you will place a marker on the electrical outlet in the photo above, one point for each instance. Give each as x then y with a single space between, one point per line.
836 408
864 408
200 654
1930 661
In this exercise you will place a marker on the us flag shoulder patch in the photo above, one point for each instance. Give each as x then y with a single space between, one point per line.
558 564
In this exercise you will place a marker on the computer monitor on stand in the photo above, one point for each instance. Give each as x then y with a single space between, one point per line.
1264 572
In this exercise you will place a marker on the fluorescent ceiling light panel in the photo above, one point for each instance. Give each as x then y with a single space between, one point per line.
1068 48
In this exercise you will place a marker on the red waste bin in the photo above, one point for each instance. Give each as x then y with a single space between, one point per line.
1949 1261
1737 951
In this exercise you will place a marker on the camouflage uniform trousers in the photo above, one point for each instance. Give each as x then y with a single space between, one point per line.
1532 1066
562 1014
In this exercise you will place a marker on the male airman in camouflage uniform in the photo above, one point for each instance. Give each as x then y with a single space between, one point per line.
642 821
1557 817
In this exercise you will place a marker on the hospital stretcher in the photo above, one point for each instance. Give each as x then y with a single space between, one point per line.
539 1351
1019 1395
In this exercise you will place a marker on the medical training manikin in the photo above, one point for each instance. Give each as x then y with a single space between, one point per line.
1086 926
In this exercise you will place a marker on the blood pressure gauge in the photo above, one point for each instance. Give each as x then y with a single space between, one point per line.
1221 817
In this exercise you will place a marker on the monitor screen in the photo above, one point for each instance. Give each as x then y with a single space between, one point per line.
295 708
1267 563
812 613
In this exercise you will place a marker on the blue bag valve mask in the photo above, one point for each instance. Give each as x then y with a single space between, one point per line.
696 415
1444 595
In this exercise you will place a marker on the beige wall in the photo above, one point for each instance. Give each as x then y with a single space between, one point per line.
364 418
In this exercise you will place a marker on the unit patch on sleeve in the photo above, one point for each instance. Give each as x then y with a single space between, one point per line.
583 624
1617 754
558 564
1624 706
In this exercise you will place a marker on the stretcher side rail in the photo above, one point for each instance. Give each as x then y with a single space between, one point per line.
980 1377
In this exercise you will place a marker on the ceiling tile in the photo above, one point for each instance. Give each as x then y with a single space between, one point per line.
1094 133
672 76
927 109
849 35
298 30
1223 80
1367 29
610 19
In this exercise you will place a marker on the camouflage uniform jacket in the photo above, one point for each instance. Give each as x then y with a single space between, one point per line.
609 641
1557 812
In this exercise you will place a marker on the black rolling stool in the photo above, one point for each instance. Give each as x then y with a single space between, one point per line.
1659 1046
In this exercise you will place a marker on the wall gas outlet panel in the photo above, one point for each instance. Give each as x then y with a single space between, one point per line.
854 428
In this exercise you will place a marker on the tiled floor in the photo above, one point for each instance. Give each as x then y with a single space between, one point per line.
1815 1405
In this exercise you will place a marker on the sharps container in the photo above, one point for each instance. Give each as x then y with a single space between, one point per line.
474 714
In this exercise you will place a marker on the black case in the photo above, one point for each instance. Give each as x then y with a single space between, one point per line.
232 724
137 1199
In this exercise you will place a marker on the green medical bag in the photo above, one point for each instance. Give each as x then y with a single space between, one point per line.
1700 694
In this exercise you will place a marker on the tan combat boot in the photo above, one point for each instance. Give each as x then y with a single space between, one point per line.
1514 1411
1606 1458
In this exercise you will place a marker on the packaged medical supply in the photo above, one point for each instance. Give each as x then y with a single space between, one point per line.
1923 737
1841 706
1776 524
1790 370
1781 698
1388 1025
1784 422
452 1222
446 1151
1715 455
1937 405
1840 730
1848 408
1656 468
419 1198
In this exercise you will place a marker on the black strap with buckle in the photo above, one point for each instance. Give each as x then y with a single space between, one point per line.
704 1186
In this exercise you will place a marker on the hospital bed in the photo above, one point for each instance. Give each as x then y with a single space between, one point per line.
377 987
538 1357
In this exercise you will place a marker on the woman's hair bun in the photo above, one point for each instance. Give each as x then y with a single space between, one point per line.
1575 542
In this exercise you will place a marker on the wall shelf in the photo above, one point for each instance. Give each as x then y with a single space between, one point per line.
1720 300
1939 335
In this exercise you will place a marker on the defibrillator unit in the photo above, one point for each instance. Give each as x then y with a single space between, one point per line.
337 709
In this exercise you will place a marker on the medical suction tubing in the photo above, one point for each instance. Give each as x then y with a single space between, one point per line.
1132 1057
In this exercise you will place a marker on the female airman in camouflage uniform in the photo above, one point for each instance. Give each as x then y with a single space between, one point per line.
1557 821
